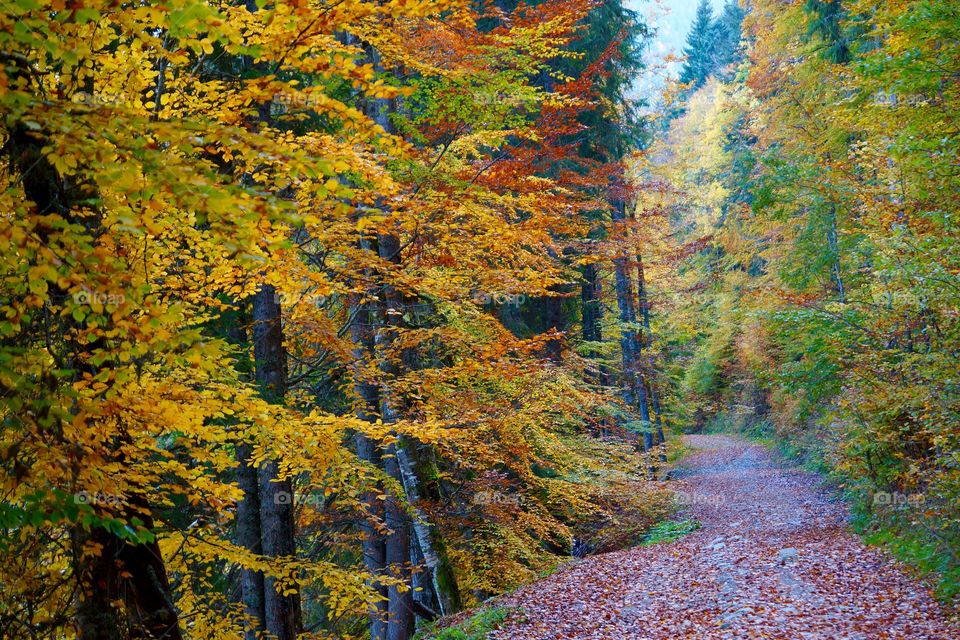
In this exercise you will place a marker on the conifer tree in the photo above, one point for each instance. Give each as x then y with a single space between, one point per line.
700 47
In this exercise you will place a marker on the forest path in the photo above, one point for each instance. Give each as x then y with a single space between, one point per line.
773 559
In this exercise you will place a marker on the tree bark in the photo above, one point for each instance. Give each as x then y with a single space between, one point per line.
281 612
133 572
365 319
633 391
401 619
247 534
592 317
647 342
248 537
440 574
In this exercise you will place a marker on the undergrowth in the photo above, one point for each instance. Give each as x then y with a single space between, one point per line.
669 531
476 627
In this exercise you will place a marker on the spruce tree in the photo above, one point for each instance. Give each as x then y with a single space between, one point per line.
700 47
828 23
727 35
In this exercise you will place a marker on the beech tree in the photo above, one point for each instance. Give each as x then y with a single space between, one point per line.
256 378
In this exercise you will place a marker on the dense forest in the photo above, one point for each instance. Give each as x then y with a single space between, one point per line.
336 319
802 205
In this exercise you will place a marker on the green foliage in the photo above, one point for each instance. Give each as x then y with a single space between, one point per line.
712 43
817 296
474 628
912 545
669 531
827 23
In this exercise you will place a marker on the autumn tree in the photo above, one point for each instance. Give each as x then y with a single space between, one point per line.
813 253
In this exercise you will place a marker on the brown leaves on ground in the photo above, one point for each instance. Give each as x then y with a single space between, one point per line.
774 559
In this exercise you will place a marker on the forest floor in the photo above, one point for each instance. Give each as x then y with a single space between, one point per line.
774 558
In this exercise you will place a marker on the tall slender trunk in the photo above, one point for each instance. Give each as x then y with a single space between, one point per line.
592 316
401 620
372 542
441 575
647 342
590 300
235 322
554 320
834 244
282 617
365 316
633 390
248 537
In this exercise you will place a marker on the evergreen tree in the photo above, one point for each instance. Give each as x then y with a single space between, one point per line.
699 51
726 29
712 44
827 23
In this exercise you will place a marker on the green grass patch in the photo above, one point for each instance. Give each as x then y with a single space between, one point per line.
668 531
677 450
928 557
474 628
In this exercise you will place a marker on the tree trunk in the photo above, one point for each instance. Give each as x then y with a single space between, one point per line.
647 342
401 619
365 318
126 571
441 575
281 612
834 245
634 393
131 573
248 537
592 317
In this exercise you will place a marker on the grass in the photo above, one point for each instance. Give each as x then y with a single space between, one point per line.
474 628
916 549
677 450
668 531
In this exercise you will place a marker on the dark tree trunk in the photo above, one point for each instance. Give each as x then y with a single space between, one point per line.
126 571
400 600
555 320
131 573
248 537
592 316
234 326
365 317
651 361
401 618
591 304
633 390
281 612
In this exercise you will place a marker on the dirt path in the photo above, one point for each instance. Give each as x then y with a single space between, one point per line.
773 559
